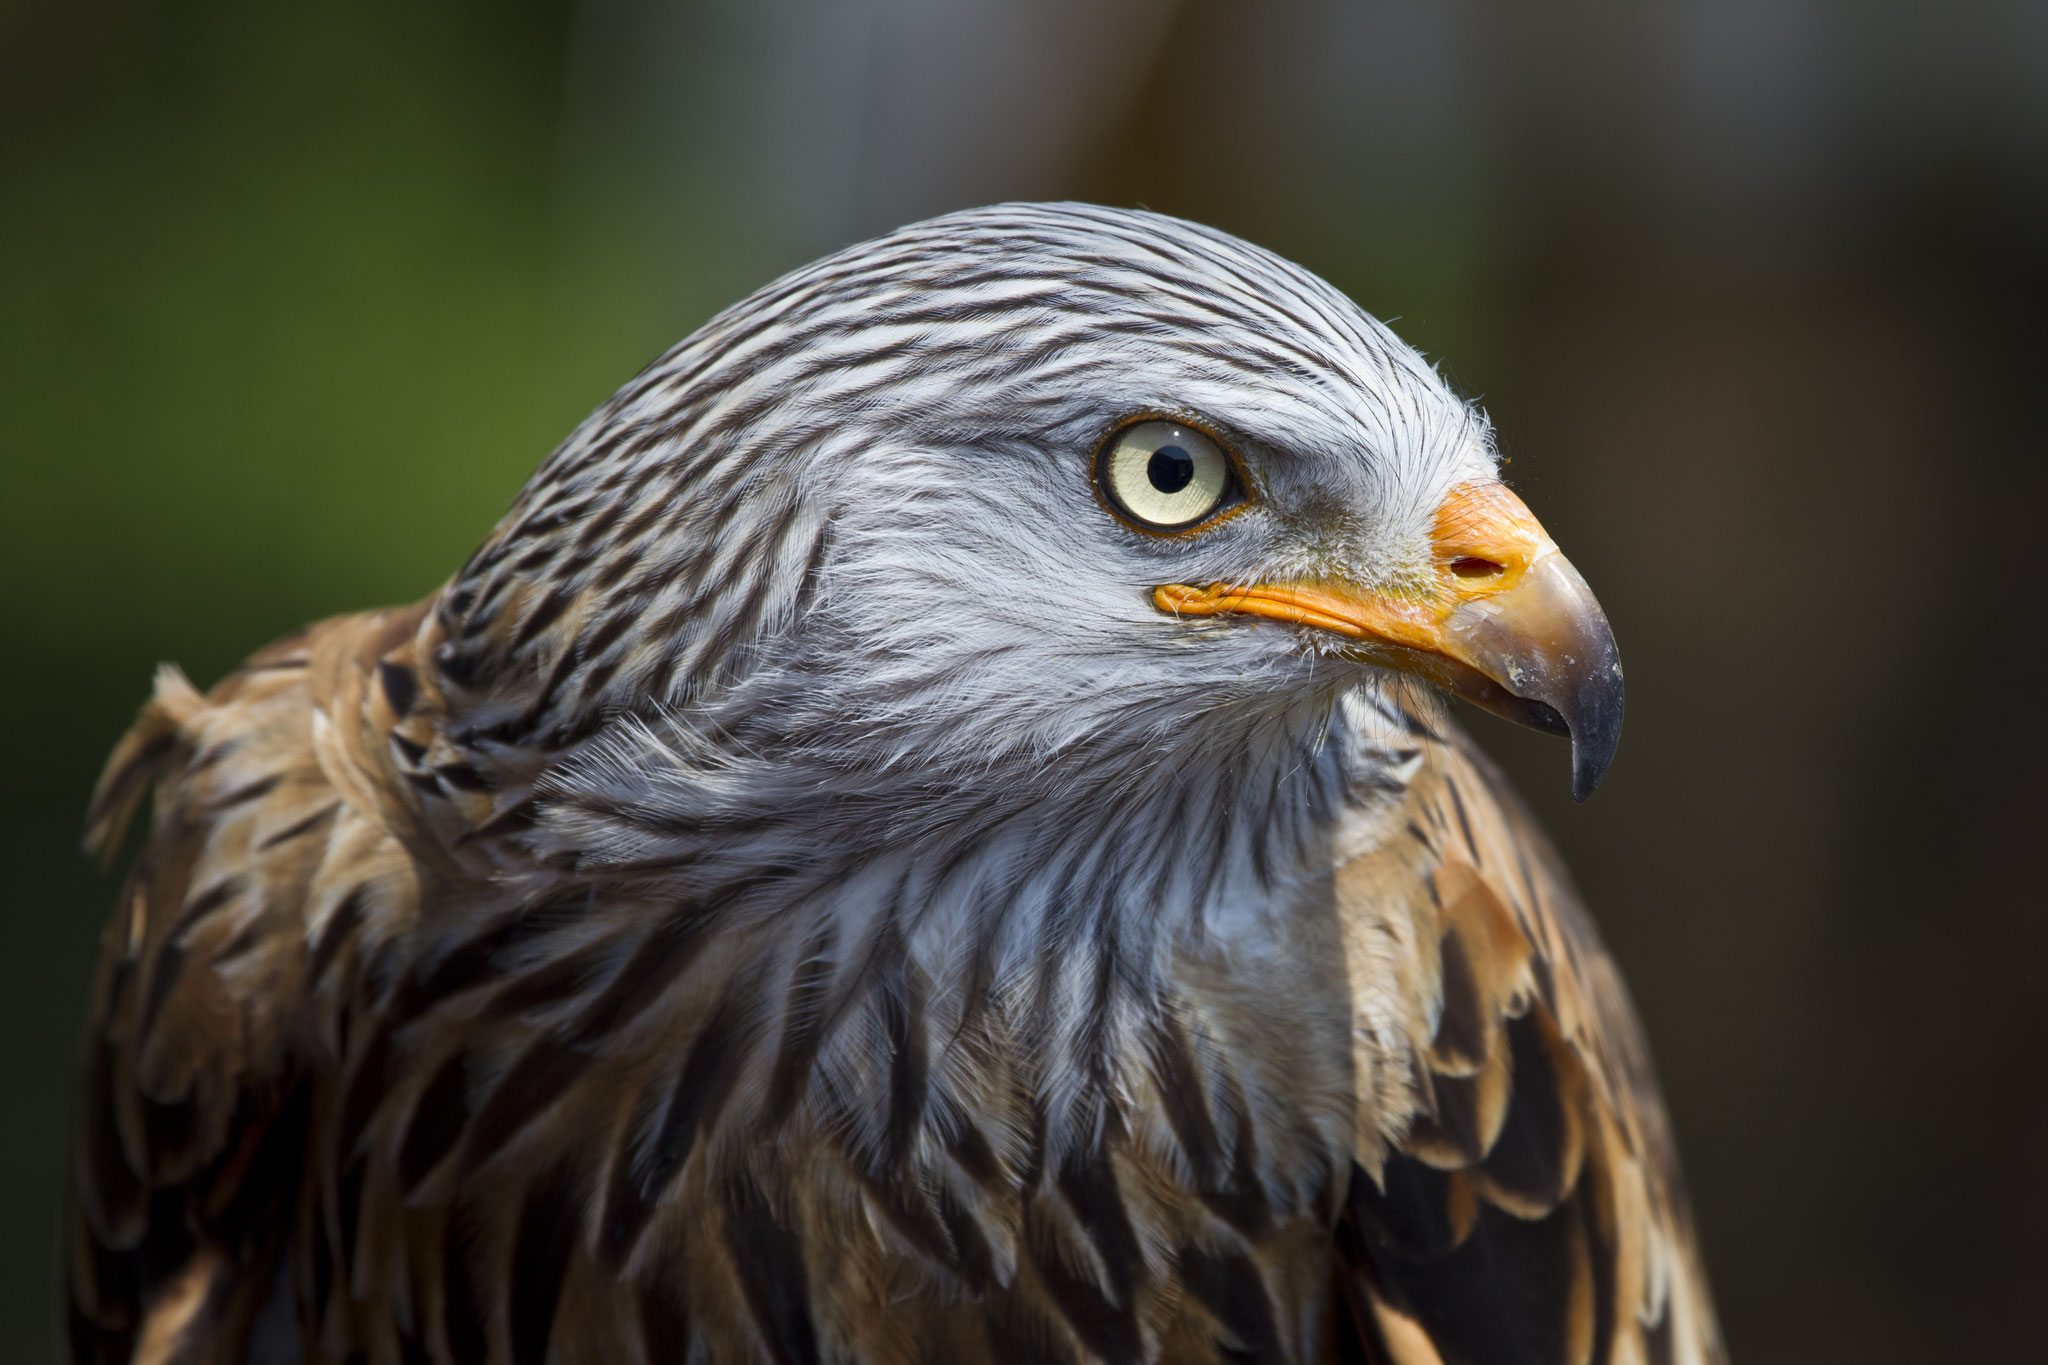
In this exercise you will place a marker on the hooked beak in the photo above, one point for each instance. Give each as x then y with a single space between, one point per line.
1506 623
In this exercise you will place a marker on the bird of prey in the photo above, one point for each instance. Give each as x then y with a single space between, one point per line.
929 833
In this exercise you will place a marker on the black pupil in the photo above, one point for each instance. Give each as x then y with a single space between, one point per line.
1170 469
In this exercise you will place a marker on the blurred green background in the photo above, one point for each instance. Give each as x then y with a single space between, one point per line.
293 297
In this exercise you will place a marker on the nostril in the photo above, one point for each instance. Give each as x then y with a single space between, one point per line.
1471 566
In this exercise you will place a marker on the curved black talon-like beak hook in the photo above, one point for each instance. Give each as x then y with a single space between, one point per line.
1544 656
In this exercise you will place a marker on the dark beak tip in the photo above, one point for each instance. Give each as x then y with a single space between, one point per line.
1596 734
1585 777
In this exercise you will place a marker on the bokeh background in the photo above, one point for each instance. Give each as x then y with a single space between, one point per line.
292 297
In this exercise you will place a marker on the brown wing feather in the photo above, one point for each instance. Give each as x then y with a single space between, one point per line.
194 1105
1518 1197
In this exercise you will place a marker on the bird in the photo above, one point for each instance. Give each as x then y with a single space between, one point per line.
933 830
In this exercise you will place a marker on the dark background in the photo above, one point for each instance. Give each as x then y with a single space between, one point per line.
293 297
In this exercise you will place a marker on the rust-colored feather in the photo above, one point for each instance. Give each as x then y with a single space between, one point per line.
1529 1207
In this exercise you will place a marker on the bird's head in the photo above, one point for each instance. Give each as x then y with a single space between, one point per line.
1032 480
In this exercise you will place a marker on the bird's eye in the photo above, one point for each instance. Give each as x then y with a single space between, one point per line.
1164 476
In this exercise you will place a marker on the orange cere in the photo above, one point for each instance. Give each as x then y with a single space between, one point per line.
1484 521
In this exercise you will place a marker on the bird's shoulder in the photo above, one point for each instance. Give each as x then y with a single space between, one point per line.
270 868
1517 1195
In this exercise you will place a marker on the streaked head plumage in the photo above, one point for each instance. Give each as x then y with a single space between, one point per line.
910 425
858 524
